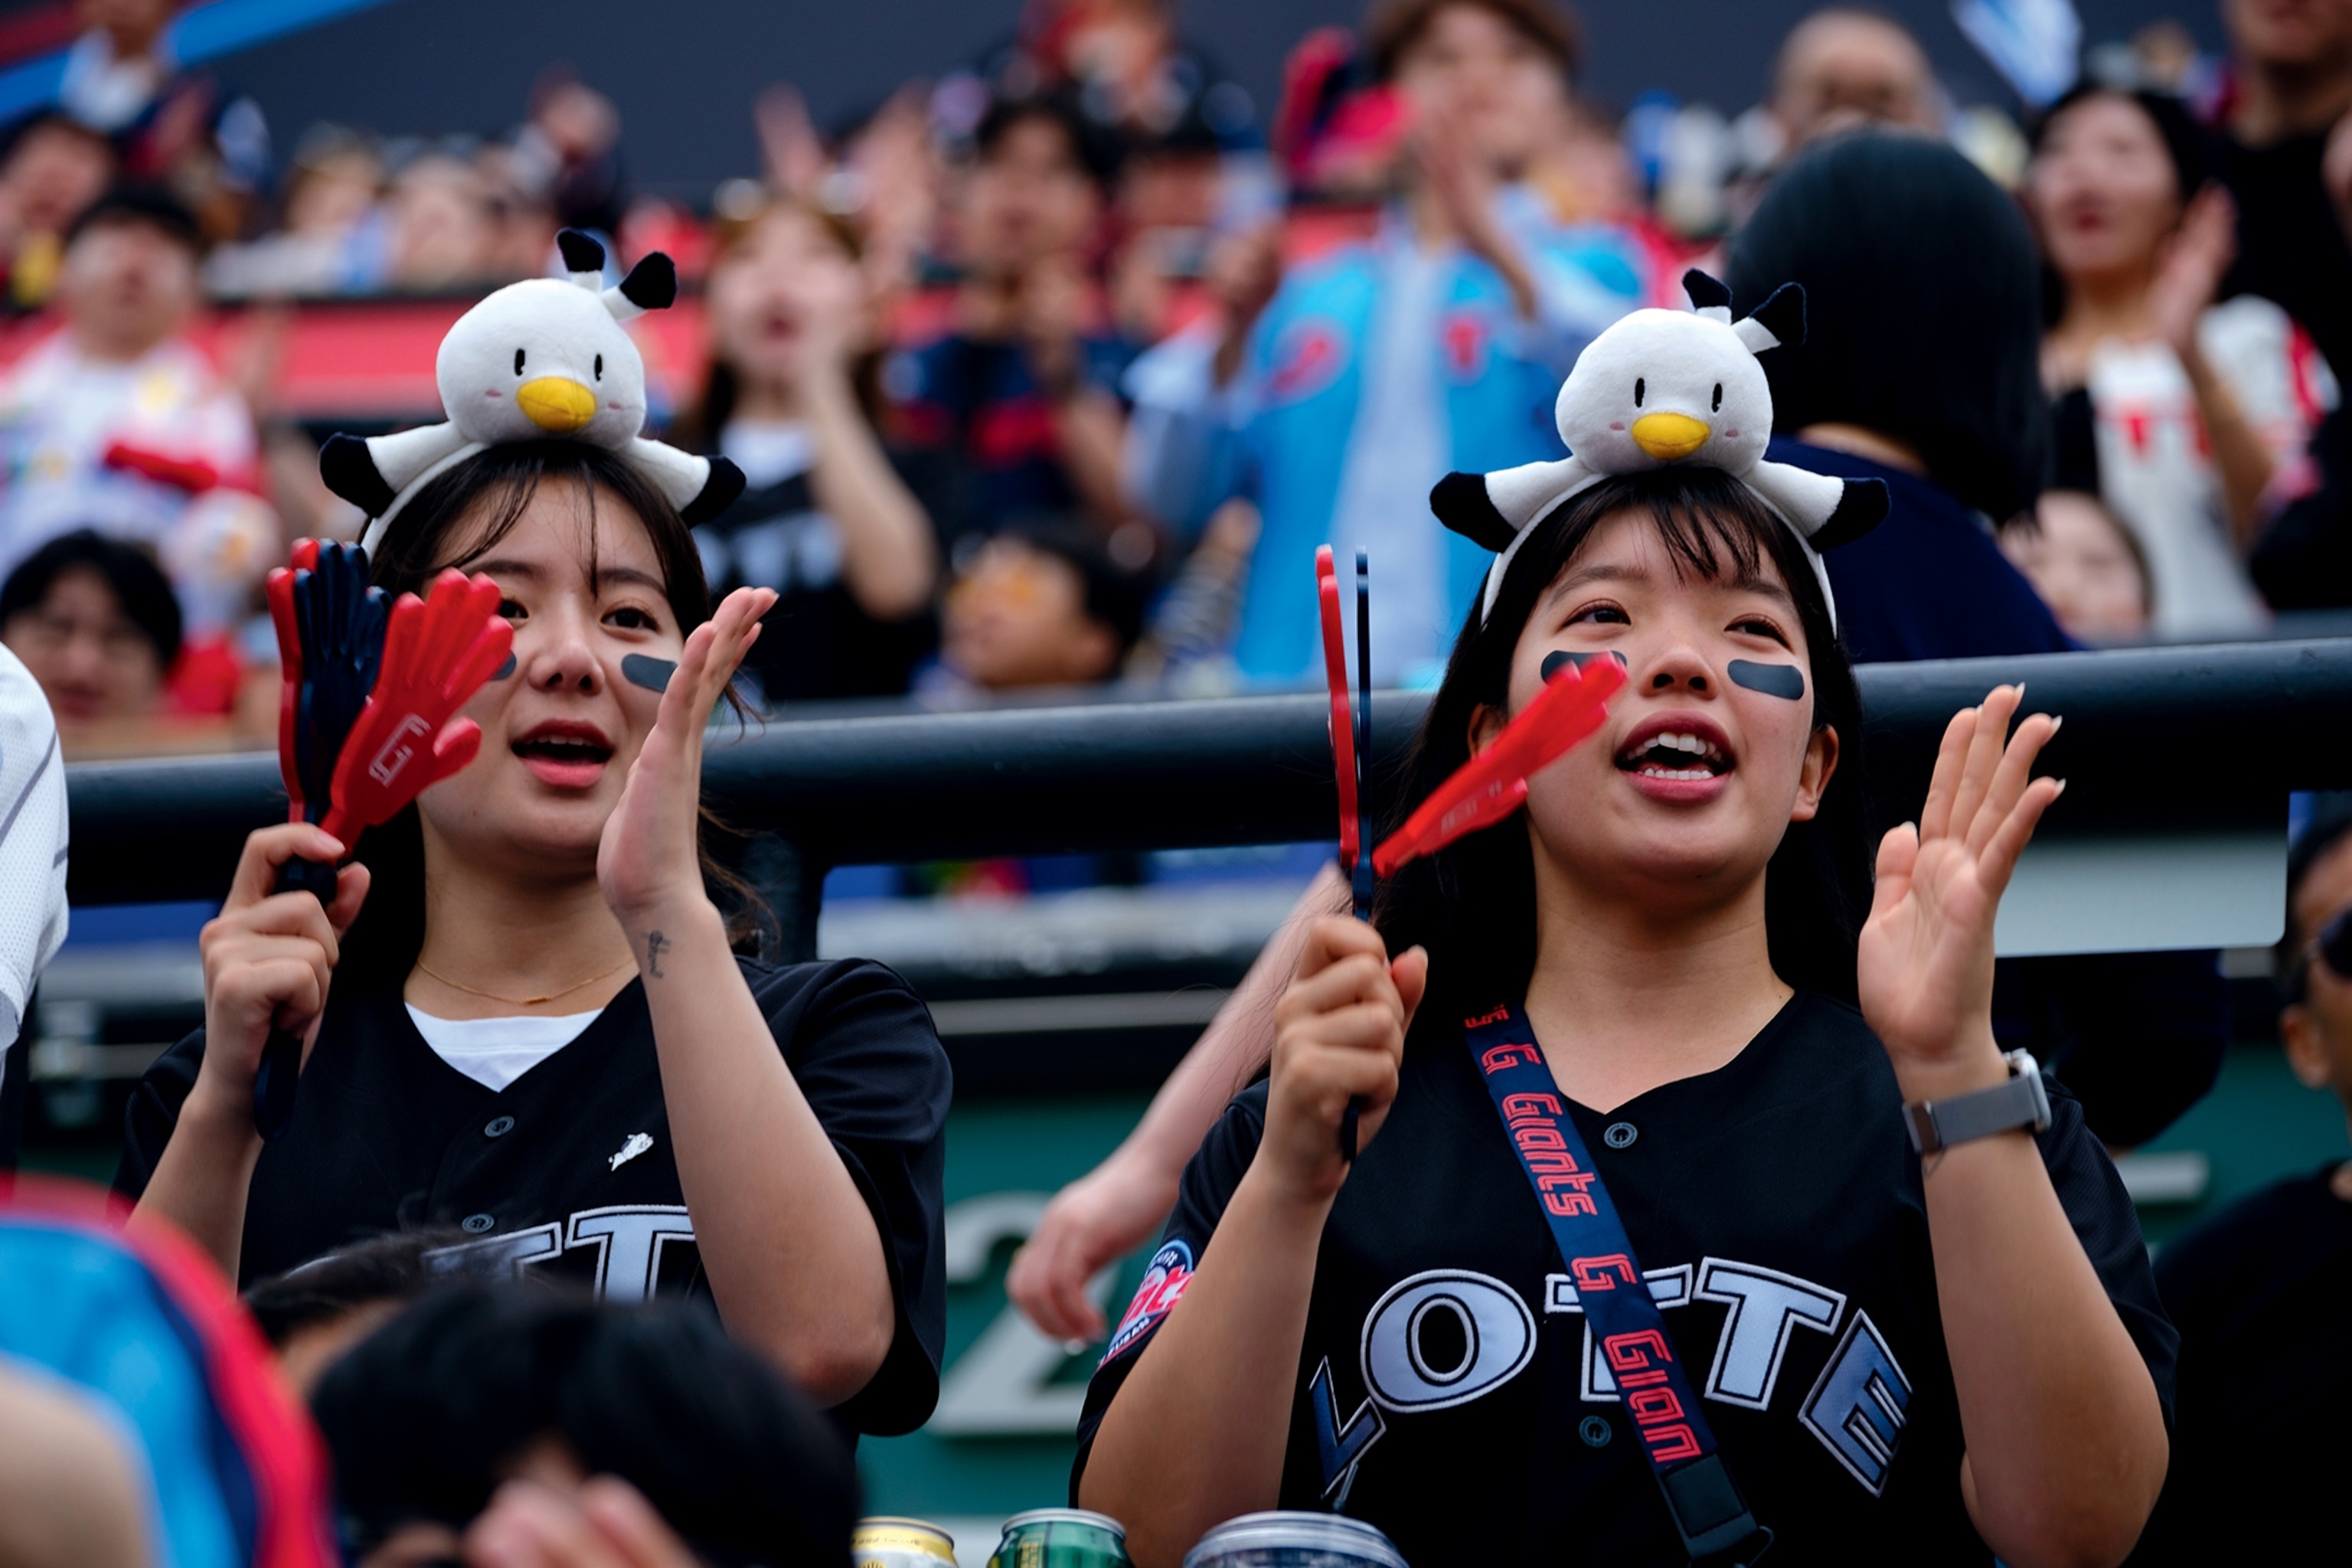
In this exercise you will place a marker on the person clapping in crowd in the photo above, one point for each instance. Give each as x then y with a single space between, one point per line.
1983 1367
508 1426
827 522
2196 405
1019 394
538 1029
118 421
1337 392
2258 1289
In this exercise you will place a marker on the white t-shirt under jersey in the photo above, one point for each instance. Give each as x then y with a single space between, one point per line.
494 1052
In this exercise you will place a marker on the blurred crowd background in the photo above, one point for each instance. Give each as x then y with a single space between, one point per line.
1047 370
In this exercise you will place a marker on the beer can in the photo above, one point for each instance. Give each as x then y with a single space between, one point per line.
1062 1538
900 1543
1292 1540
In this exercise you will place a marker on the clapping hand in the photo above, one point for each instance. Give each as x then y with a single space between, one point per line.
648 857
1926 954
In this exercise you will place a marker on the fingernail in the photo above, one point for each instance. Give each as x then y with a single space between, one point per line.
1073 1347
2057 723
2061 789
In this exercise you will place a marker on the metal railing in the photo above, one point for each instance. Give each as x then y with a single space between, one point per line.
2157 740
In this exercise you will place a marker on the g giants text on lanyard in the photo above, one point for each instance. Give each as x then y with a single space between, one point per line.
1710 1516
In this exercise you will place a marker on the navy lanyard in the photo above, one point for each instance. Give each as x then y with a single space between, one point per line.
1707 1508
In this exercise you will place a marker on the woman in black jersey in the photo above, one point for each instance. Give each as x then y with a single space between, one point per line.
524 1015
1876 1358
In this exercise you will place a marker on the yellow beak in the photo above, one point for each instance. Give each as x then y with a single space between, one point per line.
560 404
1665 436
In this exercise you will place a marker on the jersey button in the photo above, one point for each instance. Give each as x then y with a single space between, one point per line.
475 1224
1620 1134
499 1127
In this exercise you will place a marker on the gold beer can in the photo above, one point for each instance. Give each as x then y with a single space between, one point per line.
901 1544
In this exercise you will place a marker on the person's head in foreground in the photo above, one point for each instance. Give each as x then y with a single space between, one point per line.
1841 67
2316 959
312 1314
95 620
128 282
485 1422
1657 958
1923 312
1494 73
1041 604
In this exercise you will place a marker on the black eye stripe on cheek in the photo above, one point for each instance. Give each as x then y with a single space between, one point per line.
643 669
1772 679
1552 661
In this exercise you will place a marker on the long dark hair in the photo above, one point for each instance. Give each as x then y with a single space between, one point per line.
458 518
1473 904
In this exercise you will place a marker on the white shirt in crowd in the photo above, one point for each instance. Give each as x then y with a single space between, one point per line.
2155 465
61 414
32 843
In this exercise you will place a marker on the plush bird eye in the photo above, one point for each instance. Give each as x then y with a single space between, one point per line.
1637 392
600 375
518 362
1718 397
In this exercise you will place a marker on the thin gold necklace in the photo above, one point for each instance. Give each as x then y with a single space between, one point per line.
522 1001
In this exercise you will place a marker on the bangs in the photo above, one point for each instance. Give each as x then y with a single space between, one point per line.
1714 527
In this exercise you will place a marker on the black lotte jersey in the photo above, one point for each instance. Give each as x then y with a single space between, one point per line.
569 1171
1448 1392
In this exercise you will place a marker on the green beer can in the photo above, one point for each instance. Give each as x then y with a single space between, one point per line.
1062 1538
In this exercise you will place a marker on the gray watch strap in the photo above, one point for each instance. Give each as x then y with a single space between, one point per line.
2022 1102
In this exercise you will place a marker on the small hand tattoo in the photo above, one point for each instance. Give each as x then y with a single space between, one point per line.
655 943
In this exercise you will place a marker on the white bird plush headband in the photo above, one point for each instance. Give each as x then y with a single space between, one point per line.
538 360
1662 388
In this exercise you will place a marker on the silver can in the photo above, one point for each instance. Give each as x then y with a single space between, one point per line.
1293 1540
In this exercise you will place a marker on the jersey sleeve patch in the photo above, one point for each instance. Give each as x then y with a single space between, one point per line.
1164 1279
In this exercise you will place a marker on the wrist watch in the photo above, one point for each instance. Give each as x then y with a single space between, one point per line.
2022 1102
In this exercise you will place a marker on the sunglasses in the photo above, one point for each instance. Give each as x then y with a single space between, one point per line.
2334 947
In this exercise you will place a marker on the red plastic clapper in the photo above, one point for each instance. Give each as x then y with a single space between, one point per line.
1342 725
1494 783
437 653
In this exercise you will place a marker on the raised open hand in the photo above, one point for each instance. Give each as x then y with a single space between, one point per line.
1926 959
646 859
2188 276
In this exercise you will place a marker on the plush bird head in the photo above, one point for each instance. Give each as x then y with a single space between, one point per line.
548 357
1674 386
1661 388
